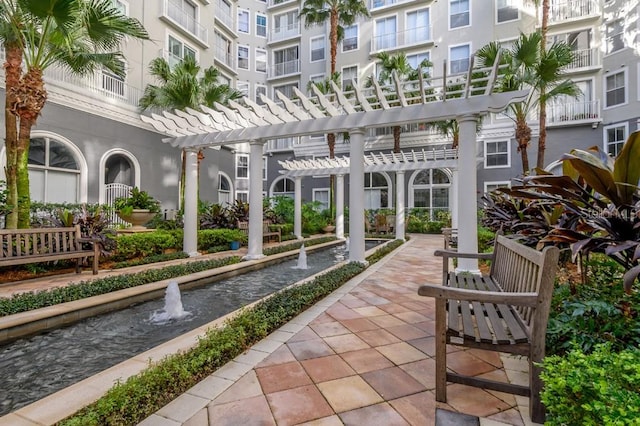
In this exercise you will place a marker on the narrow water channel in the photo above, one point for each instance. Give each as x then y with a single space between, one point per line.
35 367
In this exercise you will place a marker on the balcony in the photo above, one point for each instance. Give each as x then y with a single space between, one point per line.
223 16
379 4
187 24
275 3
563 10
410 37
223 56
584 59
283 33
282 144
284 69
573 113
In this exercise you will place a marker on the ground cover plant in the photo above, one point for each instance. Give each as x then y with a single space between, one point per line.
130 402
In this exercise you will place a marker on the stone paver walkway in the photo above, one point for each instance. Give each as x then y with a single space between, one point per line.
362 356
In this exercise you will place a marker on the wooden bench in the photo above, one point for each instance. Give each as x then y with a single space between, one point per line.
24 246
267 233
504 311
450 238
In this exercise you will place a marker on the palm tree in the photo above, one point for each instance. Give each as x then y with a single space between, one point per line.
82 36
185 86
530 68
399 64
542 120
340 14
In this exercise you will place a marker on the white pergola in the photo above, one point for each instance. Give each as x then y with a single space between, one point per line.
463 97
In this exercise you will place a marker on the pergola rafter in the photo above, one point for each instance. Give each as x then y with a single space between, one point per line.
464 97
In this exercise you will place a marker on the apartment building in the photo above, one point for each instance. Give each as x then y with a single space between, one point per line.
263 46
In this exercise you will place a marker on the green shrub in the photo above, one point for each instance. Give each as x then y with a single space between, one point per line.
208 238
144 244
151 259
485 239
142 395
601 388
296 245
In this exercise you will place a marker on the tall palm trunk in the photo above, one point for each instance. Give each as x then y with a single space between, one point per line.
542 137
30 97
331 137
396 138
523 136
12 68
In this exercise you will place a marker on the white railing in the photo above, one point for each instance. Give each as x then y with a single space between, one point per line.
113 191
400 39
284 68
376 4
282 144
173 10
222 55
278 2
561 10
281 33
584 58
573 111
224 16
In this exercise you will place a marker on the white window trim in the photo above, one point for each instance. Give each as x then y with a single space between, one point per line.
397 33
103 163
272 187
452 46
449 16
498 22
411 187
255 91
357 66
244 83
238 10
311 39
624 124
238 192
357 40
181 40
248 57
232 196
266 61
420 9
265 167
238 156
604 88
126 6
506 166
316 190
266 29
506 183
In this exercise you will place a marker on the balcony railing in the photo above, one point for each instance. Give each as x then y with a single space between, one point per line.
584 58
401 39
284 68
573 111
223 15
562 10
282 144
273 3
174 11
282 33
222 55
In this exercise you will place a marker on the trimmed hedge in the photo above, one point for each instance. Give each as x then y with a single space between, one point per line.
140 396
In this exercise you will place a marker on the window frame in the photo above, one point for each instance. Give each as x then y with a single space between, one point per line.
496 183
241 11
266 25
407 28
377 43
315 191
605 142
255 60
356 66
449 16
469 50
246 84
324 48
507 153
238 166
248 57
625 86
357 37
498 21
608 38
256 90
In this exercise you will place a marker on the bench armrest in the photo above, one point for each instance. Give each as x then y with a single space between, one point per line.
498 297
452 253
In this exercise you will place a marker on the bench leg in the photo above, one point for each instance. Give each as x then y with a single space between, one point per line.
96 260
441 350
79 265
536 408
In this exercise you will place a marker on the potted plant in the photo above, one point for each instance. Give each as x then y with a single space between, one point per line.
137 209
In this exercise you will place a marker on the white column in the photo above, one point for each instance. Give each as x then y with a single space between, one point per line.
399 225
467 195
356 196
454 198
297 207
255 201
340 206
190 239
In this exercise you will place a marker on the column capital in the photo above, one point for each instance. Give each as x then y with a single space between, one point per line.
192 149
357 130
400 172
467 117
257 142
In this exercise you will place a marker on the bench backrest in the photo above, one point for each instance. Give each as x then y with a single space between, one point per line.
34 241
521 269
244 226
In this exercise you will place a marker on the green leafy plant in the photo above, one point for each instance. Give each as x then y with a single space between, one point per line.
138 200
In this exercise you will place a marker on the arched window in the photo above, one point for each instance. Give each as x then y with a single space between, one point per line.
284 186
119 169
430 190
376 191
54 171
225 195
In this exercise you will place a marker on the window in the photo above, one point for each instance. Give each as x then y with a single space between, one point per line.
286 61
565 108
285 25
54 171
261 60
429 190
459 13
185 13
284 187
418 26
261 25
615 91
242 196
242 166
178 51
385 33
286 89
349 77
260 90
243 21
507 10
459 62
492 186
243 87
417 59
615 34
224 52
321 195
350 40
120 6
224 190
243 57
317 48
615 136
376 191
496 154
315 79
264 168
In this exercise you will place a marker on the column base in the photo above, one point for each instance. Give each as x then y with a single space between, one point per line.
194 254
253 257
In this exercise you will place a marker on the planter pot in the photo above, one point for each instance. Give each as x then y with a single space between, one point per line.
329 229
235 245
138 218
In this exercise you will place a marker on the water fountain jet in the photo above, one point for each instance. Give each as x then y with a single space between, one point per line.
302 259
173 309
